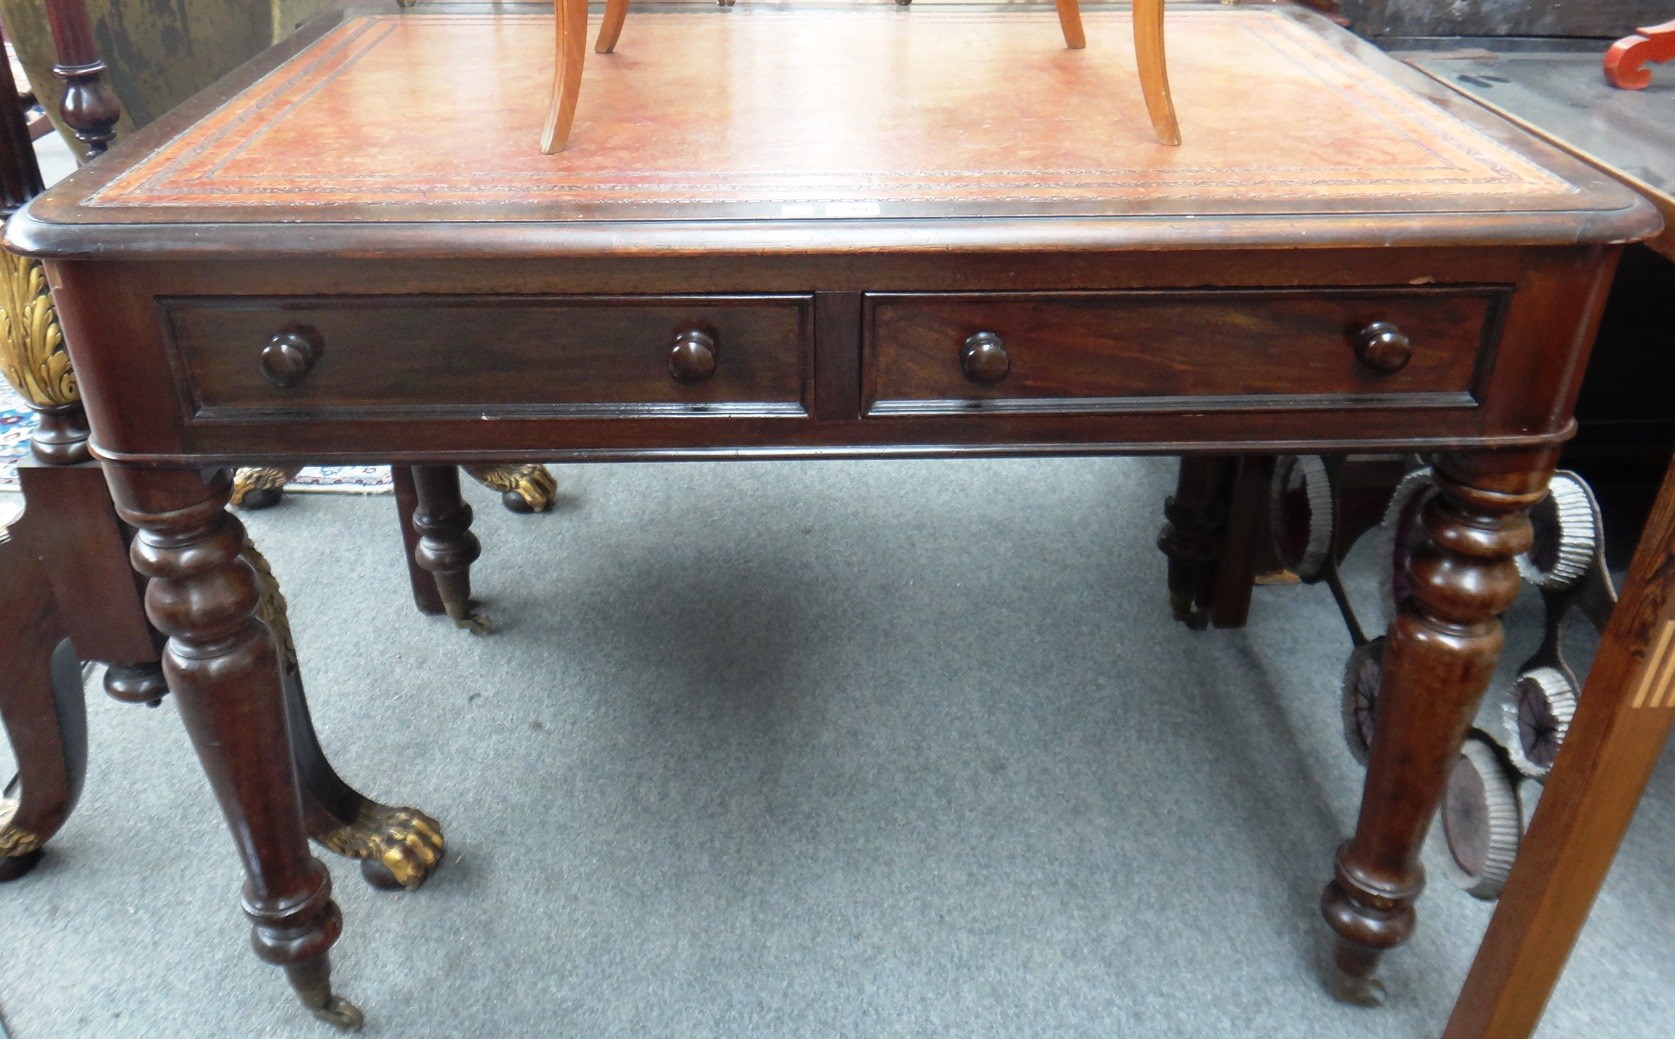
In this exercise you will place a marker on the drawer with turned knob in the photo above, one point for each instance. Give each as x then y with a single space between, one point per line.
1093 352
587 356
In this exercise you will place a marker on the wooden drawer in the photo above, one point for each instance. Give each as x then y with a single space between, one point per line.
587 356
1173 350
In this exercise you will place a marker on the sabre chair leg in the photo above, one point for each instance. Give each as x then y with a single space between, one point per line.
1070 21
1154 70
42 710
222 666
616 12
569 52
1439 658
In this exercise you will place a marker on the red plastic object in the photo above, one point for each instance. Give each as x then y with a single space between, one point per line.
1625 62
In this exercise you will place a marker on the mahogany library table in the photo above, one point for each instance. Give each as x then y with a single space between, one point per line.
822 232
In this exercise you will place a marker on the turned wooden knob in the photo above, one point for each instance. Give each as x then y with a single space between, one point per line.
1383 347
289 355
984 358
692 358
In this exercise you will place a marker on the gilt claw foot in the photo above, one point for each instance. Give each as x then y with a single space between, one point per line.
1357 991
399 848
523 488
340 1014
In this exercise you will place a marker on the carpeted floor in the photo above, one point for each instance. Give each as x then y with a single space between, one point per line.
794 750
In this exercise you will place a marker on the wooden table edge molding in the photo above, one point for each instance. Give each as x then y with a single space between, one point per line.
1407 271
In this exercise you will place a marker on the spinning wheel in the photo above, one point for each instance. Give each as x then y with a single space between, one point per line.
570 52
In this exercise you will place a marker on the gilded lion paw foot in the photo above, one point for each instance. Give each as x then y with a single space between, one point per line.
340 1014
259 488
399 848
523 488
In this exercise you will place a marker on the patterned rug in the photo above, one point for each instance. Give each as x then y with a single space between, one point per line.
17 422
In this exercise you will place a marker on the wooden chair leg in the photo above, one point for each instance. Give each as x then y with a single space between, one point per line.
616 12
1154 72
41 710
1622 721
1070 20
570 50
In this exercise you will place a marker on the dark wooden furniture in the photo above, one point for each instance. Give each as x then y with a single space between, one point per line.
787 262
68 594
1624 714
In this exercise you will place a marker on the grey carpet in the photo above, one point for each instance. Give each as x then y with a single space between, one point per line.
794 750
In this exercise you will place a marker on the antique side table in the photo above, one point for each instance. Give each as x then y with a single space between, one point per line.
935 235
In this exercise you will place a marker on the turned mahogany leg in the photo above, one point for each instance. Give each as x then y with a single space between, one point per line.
569 51
425 595
1154 69
1440 656
616 12
1195 515
523 488
223 669
397 847
446 547
42 710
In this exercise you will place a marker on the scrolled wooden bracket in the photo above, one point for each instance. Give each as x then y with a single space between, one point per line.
1625 62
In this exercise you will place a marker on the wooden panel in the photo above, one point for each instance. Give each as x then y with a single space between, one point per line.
587 356
1128 351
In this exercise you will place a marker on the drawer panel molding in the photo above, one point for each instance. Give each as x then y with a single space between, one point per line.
1101 352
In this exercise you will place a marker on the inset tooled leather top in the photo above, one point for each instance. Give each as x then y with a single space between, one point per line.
776 114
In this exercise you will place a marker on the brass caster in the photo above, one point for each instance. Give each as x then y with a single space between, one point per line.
476 622
340 1014
1357 991
13 867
